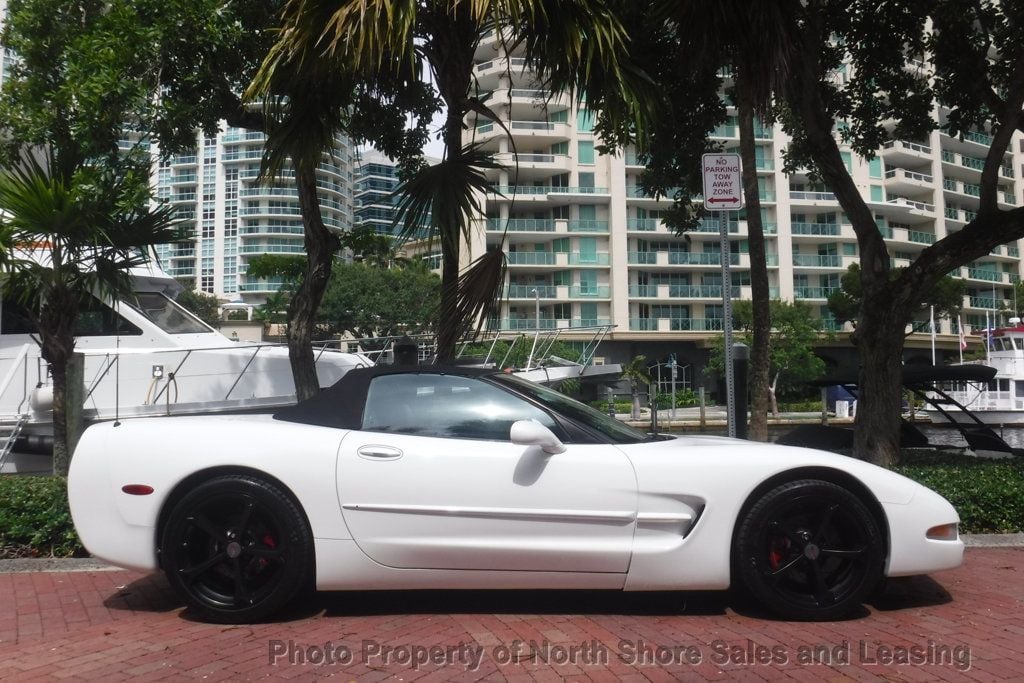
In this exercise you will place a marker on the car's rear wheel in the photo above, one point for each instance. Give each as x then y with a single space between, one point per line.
809 550
237 549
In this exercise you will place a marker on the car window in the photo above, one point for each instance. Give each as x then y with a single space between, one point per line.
446 406
615 431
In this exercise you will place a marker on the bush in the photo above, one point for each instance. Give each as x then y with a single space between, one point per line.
685 398
801 406
34 518
988 493
620 406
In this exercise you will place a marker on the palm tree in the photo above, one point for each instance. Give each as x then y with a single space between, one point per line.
636 373
756 41
579 44
68 241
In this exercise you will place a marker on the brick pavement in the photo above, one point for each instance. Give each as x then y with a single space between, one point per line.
116 625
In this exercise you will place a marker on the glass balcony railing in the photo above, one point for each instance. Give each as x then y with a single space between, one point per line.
813 292
521 225
581 259
817 260
819 229
589 292
643 224
531 291
531 258
588 226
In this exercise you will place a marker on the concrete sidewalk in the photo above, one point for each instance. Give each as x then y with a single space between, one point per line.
963 624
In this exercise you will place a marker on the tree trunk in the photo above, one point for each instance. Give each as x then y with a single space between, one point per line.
635 413
760 303
56 330
879 338
320 247
449 326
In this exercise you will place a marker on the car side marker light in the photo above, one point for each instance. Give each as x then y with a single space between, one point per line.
137 489
943 532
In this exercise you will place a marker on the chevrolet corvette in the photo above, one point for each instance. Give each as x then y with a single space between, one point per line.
448 478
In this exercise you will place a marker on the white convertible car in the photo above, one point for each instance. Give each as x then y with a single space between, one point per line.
431 477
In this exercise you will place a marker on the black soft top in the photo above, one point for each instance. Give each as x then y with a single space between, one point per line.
341 405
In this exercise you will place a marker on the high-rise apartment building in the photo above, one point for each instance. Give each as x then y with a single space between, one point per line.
376 178
234 218
587 246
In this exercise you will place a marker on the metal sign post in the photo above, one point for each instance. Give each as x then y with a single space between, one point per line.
723 192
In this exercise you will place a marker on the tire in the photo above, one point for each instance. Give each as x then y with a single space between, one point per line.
236 549
809 550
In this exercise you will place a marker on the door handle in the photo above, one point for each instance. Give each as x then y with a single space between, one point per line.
379 452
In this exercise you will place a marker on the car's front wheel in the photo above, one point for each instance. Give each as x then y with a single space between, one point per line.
237 549
809 550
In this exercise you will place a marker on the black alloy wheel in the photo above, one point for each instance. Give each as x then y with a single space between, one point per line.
237 549
810 550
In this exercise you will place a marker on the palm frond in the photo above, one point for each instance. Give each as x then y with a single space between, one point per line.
445 196
478 292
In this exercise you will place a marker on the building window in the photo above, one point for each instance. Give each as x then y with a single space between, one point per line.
875 168
584 121
586 152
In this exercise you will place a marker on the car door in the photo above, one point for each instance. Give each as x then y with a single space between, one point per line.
432 481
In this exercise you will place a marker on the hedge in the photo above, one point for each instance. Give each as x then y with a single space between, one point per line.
34 518
988 493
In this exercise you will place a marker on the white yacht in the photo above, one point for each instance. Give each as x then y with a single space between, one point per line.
1000 401
143 356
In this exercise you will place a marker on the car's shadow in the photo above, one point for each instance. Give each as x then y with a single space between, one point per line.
153 594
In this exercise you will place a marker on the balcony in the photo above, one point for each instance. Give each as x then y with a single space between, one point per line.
533 190
920 237
817 260
802 196
522 324
675 324
521 225
688 258
643 224
700 292
531 291
588 226
641 258
817 229
580 259
813 292
985 274
250 249
531 258
589 292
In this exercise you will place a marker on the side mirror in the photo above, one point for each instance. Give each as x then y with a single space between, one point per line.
530 433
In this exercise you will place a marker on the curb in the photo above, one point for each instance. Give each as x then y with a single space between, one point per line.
87 564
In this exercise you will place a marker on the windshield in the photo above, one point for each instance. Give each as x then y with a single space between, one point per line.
167 315
616 431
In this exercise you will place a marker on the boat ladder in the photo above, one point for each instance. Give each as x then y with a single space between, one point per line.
10 428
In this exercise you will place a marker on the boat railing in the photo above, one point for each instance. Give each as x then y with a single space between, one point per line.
166 383
19 368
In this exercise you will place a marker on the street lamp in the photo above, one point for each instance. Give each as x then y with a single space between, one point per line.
536 307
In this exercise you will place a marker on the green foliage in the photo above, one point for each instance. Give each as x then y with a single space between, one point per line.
801 406
987 493
636 372
795 332
685 398
204 306
620 406
34 517
289 268
947 296
366 301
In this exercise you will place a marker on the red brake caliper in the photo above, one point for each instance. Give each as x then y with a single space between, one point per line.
268 541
